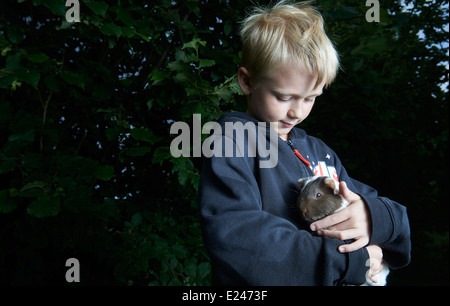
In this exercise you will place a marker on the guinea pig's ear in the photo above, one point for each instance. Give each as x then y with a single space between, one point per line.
303 181
331 183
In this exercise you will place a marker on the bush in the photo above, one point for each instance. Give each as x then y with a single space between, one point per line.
86 110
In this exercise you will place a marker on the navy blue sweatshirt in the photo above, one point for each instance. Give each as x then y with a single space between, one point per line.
253 235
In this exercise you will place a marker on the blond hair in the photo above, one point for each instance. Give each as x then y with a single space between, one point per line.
285 34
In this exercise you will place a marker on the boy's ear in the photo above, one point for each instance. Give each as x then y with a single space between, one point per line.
244 81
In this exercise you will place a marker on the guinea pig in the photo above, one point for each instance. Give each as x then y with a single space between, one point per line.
319 197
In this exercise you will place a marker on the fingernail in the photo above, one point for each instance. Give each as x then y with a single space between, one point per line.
313 227
342 249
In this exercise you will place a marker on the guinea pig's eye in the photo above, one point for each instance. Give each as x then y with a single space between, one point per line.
318 195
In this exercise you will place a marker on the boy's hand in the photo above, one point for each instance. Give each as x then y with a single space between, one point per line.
376 263
352 222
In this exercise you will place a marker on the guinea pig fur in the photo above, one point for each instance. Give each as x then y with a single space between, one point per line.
319 197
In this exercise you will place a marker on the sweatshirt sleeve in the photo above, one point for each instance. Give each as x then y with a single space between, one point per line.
250 246
390 224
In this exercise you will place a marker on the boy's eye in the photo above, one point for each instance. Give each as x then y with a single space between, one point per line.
283 98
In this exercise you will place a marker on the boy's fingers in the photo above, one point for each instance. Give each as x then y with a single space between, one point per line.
346 235
341 235
347 193
347 248
380 268
330 220
373 277
375 268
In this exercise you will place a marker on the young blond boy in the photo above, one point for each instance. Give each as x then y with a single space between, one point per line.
251 233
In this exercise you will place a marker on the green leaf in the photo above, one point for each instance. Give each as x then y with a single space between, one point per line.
7 79
51 82
179 251
34 184
7 166
183 78
57 7
38 57
29 76
7 205
206 63
195 43
112 133
111 29
14 71
44 206
33 190
100 92
203 269
73 78
161 154
228 27
144 135
27 137
128 32
13 62
158 75
343 12
136 220
104 173
15 34
185 168
178 66
138 151
377 45
190 267
98 7
124 16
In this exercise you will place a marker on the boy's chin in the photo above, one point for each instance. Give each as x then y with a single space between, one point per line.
283 135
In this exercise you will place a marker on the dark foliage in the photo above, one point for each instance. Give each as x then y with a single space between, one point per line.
86 110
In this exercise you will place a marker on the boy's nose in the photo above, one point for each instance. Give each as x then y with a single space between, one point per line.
295 114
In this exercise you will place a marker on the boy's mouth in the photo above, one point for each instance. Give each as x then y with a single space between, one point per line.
287 124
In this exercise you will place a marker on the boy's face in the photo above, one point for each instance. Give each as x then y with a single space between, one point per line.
285 97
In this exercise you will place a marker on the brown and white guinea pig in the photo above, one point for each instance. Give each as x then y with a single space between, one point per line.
319 197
